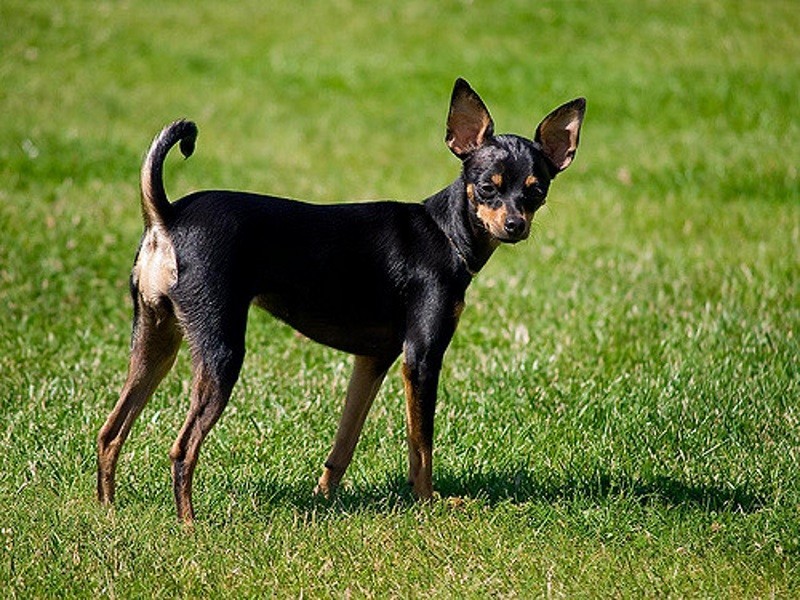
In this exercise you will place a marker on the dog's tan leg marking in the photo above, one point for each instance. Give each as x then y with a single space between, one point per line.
368 374
211 389
155 342
420 453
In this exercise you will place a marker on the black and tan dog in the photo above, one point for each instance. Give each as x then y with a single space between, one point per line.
375 279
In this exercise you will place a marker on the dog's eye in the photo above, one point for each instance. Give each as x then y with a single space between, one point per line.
535 195
487 189
534 200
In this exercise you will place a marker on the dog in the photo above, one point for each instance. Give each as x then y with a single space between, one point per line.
373 279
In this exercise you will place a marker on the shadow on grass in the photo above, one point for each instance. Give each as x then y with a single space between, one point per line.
516 486
521 485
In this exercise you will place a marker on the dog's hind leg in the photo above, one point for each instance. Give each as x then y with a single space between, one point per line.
217 353
155 342
368 374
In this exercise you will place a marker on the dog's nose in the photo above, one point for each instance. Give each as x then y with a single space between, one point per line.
514 225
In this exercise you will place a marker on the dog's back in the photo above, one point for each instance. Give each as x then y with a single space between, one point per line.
338 274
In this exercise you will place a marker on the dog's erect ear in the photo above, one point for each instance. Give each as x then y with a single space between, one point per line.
560 131
469 124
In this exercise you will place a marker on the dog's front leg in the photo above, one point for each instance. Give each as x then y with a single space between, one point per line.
368 374
422 363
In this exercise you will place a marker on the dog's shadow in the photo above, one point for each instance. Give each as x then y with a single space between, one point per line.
521 485
515 486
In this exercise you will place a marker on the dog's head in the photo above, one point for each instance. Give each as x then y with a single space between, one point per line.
507 176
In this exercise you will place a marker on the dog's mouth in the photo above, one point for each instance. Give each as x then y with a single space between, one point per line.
505 237
512 240
501 235
501 226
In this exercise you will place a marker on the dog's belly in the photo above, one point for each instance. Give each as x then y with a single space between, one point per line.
368 335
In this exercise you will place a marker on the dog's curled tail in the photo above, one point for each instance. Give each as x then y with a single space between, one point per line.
155 205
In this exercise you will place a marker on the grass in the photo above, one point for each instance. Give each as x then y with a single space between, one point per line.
619 410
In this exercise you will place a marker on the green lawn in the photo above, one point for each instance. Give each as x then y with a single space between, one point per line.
619 413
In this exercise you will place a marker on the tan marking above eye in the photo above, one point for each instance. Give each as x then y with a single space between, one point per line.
497 179
470 191
530 180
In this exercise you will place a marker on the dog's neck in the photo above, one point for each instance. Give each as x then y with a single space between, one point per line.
451 211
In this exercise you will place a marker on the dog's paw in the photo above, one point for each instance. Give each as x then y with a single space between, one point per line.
324 491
